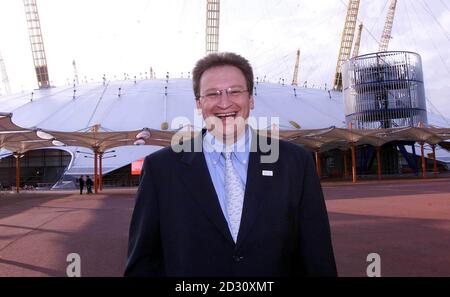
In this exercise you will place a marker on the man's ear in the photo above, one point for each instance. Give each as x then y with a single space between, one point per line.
198 103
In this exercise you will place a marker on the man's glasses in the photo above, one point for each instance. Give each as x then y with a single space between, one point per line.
232 93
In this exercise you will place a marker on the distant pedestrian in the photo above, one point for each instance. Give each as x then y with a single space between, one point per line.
82 183
89 184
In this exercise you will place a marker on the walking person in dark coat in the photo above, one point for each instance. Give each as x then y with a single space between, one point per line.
89 184
82 183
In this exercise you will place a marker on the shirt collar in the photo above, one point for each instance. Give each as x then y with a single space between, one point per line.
240 149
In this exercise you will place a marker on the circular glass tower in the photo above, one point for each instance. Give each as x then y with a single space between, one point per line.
384 90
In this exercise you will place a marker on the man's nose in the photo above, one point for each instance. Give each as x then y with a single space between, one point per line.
224 100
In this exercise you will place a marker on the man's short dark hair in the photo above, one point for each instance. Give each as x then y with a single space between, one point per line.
221 59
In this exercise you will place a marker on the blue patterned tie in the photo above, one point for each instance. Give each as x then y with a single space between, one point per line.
234 192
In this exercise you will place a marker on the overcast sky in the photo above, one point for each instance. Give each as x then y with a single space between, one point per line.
116 36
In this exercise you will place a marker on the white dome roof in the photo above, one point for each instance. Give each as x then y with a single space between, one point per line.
144 103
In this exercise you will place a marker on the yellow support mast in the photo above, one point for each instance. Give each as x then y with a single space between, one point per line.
295 76
346 41
357 41
37 43
75 73
212 26
4 76
386 36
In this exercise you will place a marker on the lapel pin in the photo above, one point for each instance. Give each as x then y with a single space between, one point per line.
267 173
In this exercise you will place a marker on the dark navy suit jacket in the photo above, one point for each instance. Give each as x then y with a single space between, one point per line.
178 228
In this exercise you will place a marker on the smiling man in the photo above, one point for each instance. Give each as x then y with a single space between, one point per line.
225 99
221 210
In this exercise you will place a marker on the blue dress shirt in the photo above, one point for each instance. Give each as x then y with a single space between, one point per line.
212 149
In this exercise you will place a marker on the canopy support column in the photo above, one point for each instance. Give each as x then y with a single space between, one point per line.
379 161
345 164
318 164
100 176
434 160
353 163
17 156
95 171
424 164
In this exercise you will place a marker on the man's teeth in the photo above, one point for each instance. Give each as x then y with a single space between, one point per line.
224 115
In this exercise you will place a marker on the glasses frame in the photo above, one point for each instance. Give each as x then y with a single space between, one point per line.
231 93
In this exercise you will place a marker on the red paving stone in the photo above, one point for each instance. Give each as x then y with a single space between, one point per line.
407 222
39 230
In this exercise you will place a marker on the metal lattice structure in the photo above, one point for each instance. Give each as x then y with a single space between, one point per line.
357 41
37 43
384 90
295 75
386 36
5 79
212 26
346 41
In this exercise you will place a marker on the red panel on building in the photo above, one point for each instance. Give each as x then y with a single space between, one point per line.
136 167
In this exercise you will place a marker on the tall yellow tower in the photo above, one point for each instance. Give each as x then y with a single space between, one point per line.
37 43
346 41
212 26
4 75
386 36
357 41
295 75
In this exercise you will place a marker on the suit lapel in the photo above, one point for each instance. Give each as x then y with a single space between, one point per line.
195 175
258 188
197 179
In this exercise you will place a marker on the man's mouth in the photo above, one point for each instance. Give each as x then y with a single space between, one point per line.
223 116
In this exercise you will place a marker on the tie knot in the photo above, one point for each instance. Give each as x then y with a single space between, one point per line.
227 155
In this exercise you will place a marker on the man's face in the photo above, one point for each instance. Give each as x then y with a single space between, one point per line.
226 114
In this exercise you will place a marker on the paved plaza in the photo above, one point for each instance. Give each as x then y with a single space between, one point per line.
407 222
